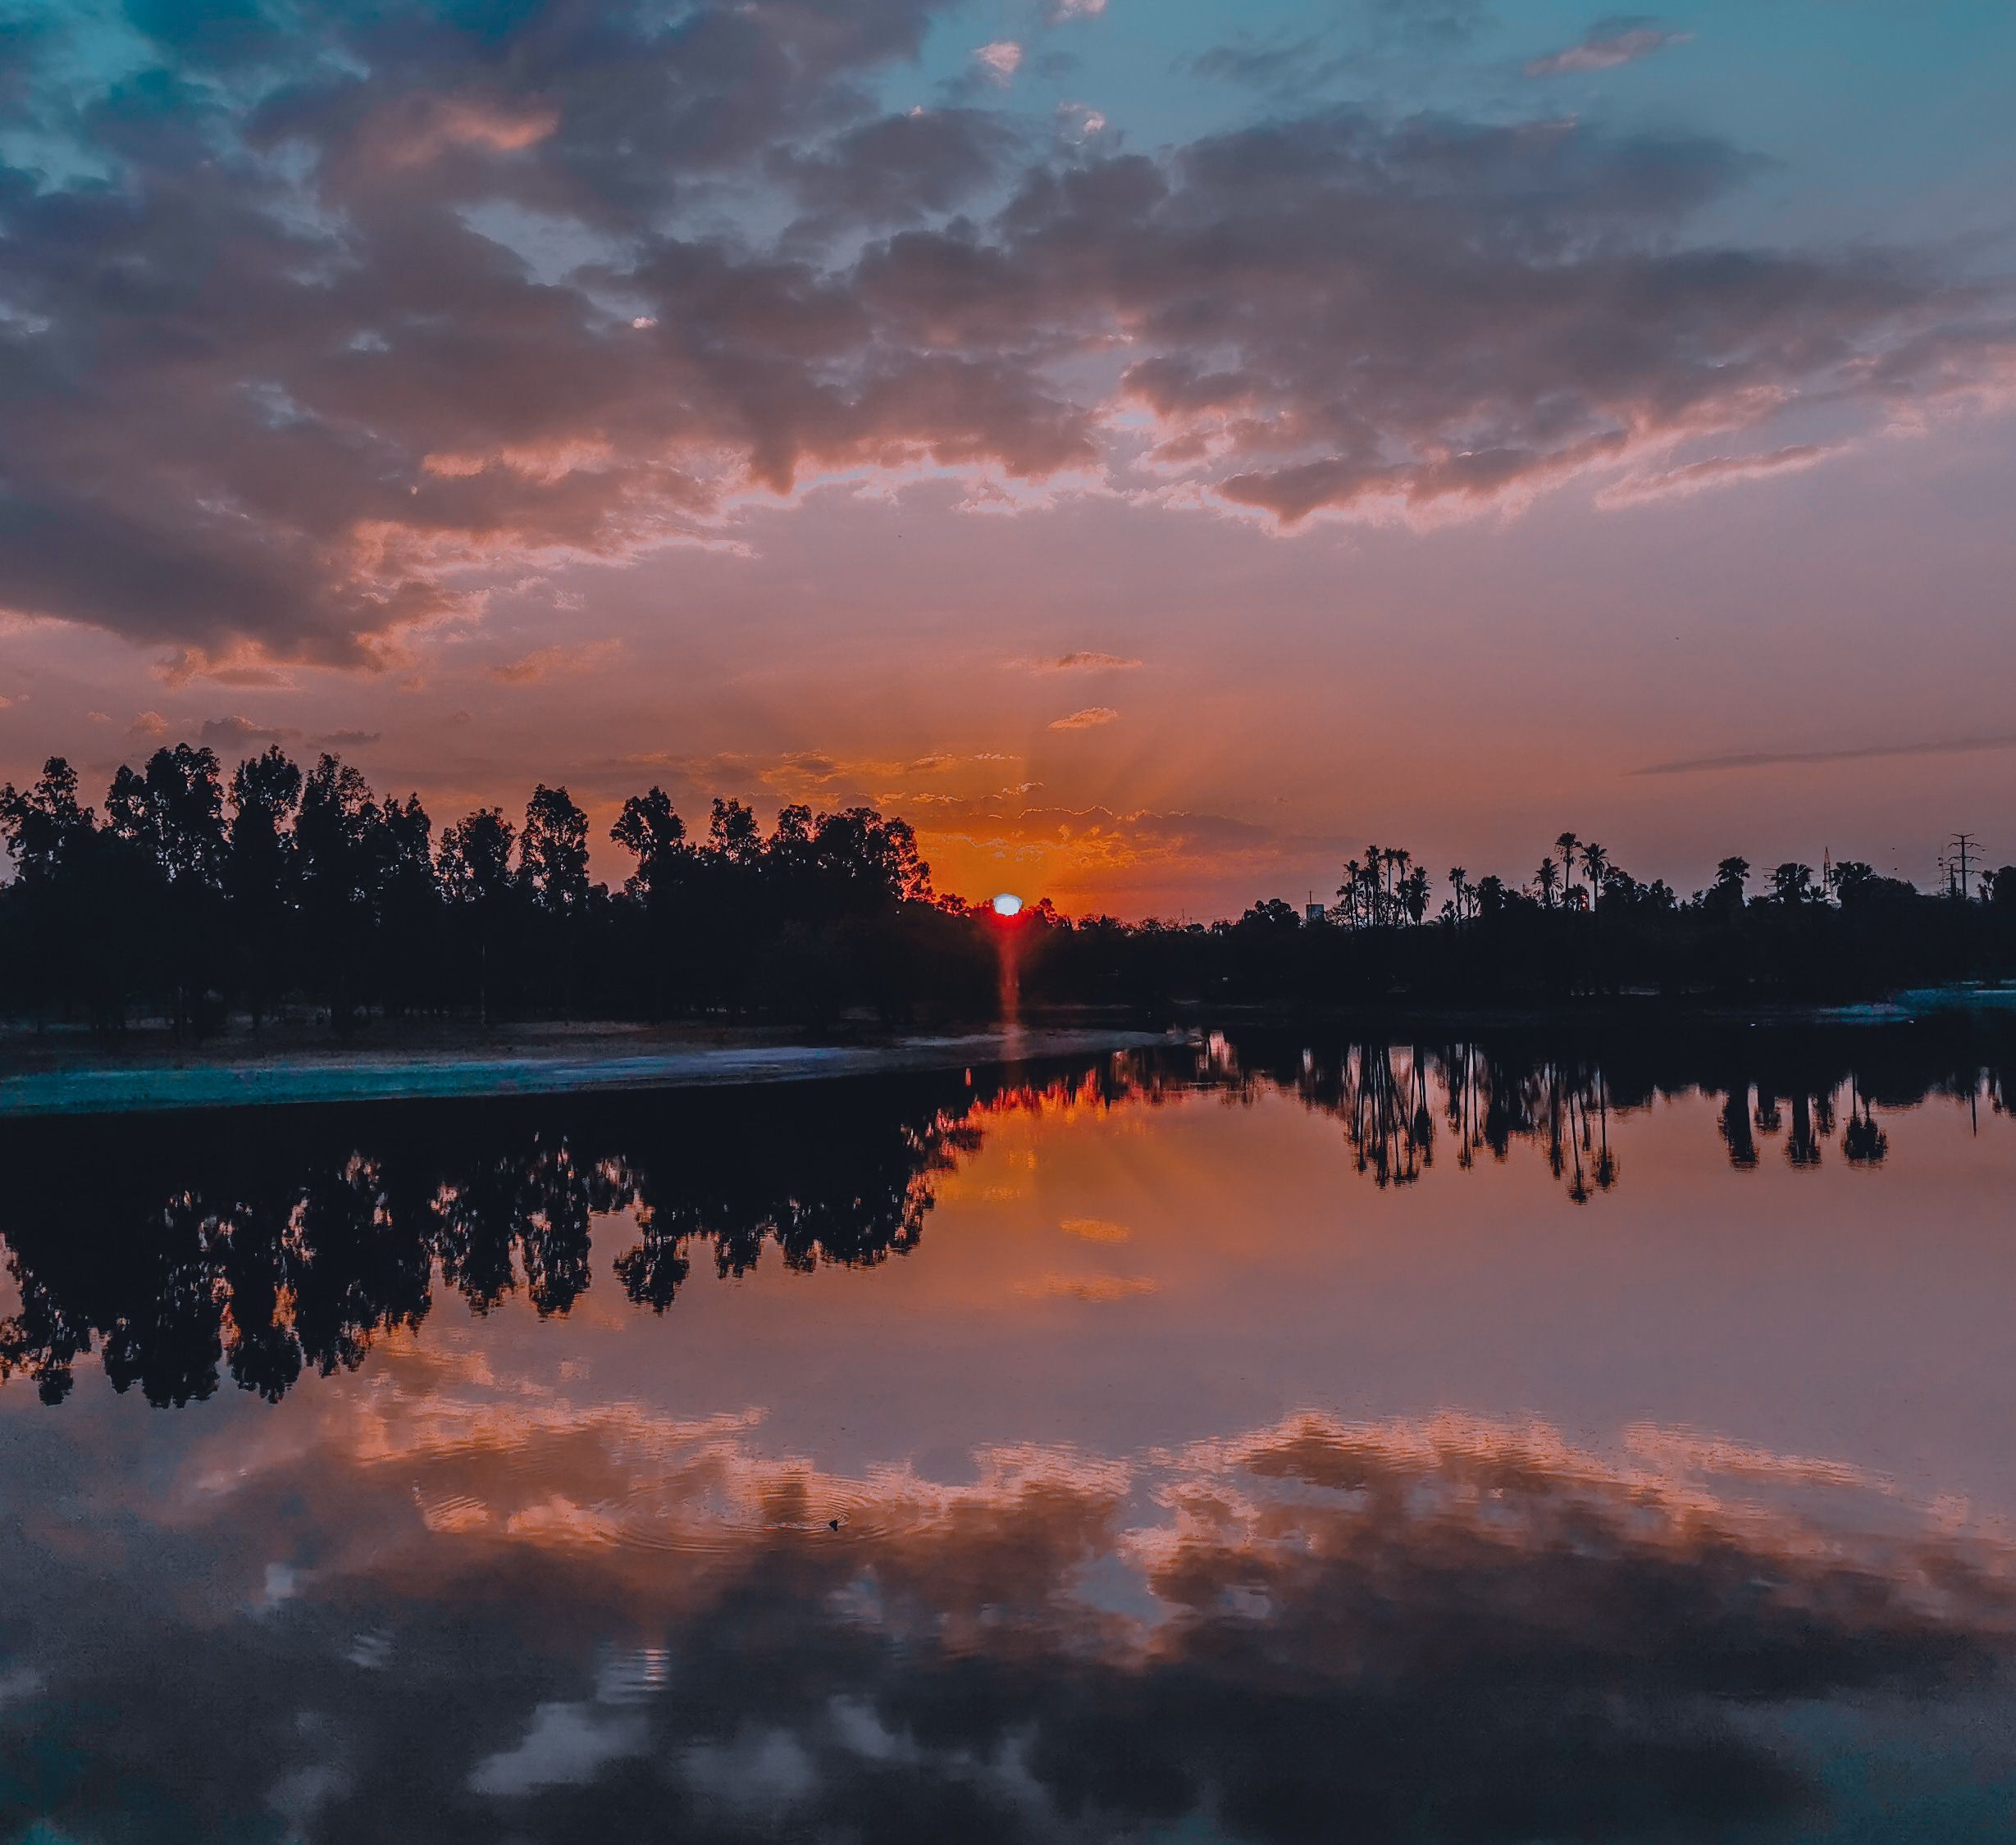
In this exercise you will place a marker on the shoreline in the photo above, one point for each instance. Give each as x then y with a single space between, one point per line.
62 1075
591 1064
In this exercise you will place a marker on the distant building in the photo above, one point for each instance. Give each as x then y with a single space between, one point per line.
1312 913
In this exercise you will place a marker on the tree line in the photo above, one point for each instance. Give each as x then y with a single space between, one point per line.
1582 927
196 897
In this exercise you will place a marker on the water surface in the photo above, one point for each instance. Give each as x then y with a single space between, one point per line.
1279 1441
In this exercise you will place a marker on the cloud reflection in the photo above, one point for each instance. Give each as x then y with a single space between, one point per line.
1266 1637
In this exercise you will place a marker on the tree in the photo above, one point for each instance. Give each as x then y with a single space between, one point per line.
1595 862
332 863
266 790
553 852
475 869
65 938
406 900
174 811
1546 875
650 830
733 834
866 861
1791 883
475 861
169 820
43 824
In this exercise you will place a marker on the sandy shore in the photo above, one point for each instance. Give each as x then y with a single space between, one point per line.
584 1062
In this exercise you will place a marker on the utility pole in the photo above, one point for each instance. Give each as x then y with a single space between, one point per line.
1962 845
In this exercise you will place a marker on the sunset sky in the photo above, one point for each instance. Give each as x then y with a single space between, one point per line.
1155 445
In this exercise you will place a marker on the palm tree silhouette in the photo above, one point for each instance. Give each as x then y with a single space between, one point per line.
1545 877
1595 862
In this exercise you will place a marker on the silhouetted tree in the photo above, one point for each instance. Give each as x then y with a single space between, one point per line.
266 790
476 879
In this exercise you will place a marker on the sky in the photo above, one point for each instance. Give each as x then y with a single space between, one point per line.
1155 446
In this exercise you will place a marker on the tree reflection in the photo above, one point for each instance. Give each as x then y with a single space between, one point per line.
1495 1098
272 1247
268 1245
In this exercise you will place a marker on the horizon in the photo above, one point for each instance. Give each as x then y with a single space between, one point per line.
1151 450
1952 872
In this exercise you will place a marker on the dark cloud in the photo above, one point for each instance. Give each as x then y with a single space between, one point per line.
1776 759
1284 64
898 169
304 368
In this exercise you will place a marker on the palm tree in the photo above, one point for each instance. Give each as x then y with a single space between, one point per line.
1595 862
1397 858
1545 877
1348 892
1458 874
1566 846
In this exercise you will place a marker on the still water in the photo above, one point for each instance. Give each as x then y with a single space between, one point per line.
1268 1442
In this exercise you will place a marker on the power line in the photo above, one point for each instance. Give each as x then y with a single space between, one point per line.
1963 845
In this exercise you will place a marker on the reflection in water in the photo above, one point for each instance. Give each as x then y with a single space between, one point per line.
276 1246
1043 1551
266 1248
1441 1630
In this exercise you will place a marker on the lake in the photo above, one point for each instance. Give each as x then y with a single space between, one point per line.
1276 1439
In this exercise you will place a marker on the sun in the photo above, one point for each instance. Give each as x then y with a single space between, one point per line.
1007 904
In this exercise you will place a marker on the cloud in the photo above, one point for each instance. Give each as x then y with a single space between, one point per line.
149 724
306 374
1000 60
241 733
1861 753
1614 42
1283 68
233 668
557 662
1079 121
1085 1287
1084 660
1716 470
1080 849
1095 1230
345 740
1090 719
1060 9
1081 1648
897 169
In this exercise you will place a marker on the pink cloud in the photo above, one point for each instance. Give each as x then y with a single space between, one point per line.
329 425
1000 60
1716 470
549 663
1623 41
